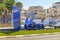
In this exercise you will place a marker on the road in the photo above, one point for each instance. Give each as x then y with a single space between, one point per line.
39 37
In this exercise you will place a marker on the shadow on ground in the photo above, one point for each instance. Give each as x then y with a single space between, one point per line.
8 31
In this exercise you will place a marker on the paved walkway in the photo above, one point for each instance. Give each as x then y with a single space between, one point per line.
38 37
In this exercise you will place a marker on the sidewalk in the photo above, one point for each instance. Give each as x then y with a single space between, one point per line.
29 35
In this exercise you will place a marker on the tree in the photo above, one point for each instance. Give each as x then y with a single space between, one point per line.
1 1
19 4
2 8
9 4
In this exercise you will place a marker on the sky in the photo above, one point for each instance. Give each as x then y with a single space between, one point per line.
44 3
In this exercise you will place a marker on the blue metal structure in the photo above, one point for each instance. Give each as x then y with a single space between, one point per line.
29 24
29 21
16 17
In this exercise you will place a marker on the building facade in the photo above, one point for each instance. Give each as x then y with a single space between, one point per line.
39 10
54 11
49 13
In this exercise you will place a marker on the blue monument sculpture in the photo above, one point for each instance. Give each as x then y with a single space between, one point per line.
30 24
29 21
16 17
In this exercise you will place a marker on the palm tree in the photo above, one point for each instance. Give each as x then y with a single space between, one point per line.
8 4
2 9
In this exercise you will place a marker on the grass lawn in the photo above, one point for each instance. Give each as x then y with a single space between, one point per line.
26 32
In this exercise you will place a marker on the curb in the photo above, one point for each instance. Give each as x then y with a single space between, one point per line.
29 35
